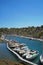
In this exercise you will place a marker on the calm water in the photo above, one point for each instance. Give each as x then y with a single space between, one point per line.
32 44
6 54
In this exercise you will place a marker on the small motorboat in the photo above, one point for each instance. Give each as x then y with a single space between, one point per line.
29 55
24 51
41 59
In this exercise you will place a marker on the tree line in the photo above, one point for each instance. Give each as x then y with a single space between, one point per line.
36 32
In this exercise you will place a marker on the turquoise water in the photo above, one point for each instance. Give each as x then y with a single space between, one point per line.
32 44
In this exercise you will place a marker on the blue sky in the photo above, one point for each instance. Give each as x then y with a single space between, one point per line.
21 13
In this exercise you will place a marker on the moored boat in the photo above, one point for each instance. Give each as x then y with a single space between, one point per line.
23 50
41 59
19 56
29 55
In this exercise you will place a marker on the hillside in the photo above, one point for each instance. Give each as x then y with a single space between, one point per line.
36 32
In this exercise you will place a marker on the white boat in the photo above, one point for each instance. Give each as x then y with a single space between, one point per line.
29 55
24 51
16 49
21 58
41 59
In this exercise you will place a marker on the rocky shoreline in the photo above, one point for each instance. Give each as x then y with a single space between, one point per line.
8 62
30 37
1 40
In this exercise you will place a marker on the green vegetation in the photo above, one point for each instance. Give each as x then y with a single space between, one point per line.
36 32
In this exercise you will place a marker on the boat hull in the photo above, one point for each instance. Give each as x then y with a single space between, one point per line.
41 60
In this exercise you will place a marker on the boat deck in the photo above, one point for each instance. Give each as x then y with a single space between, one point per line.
20 56
29 62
